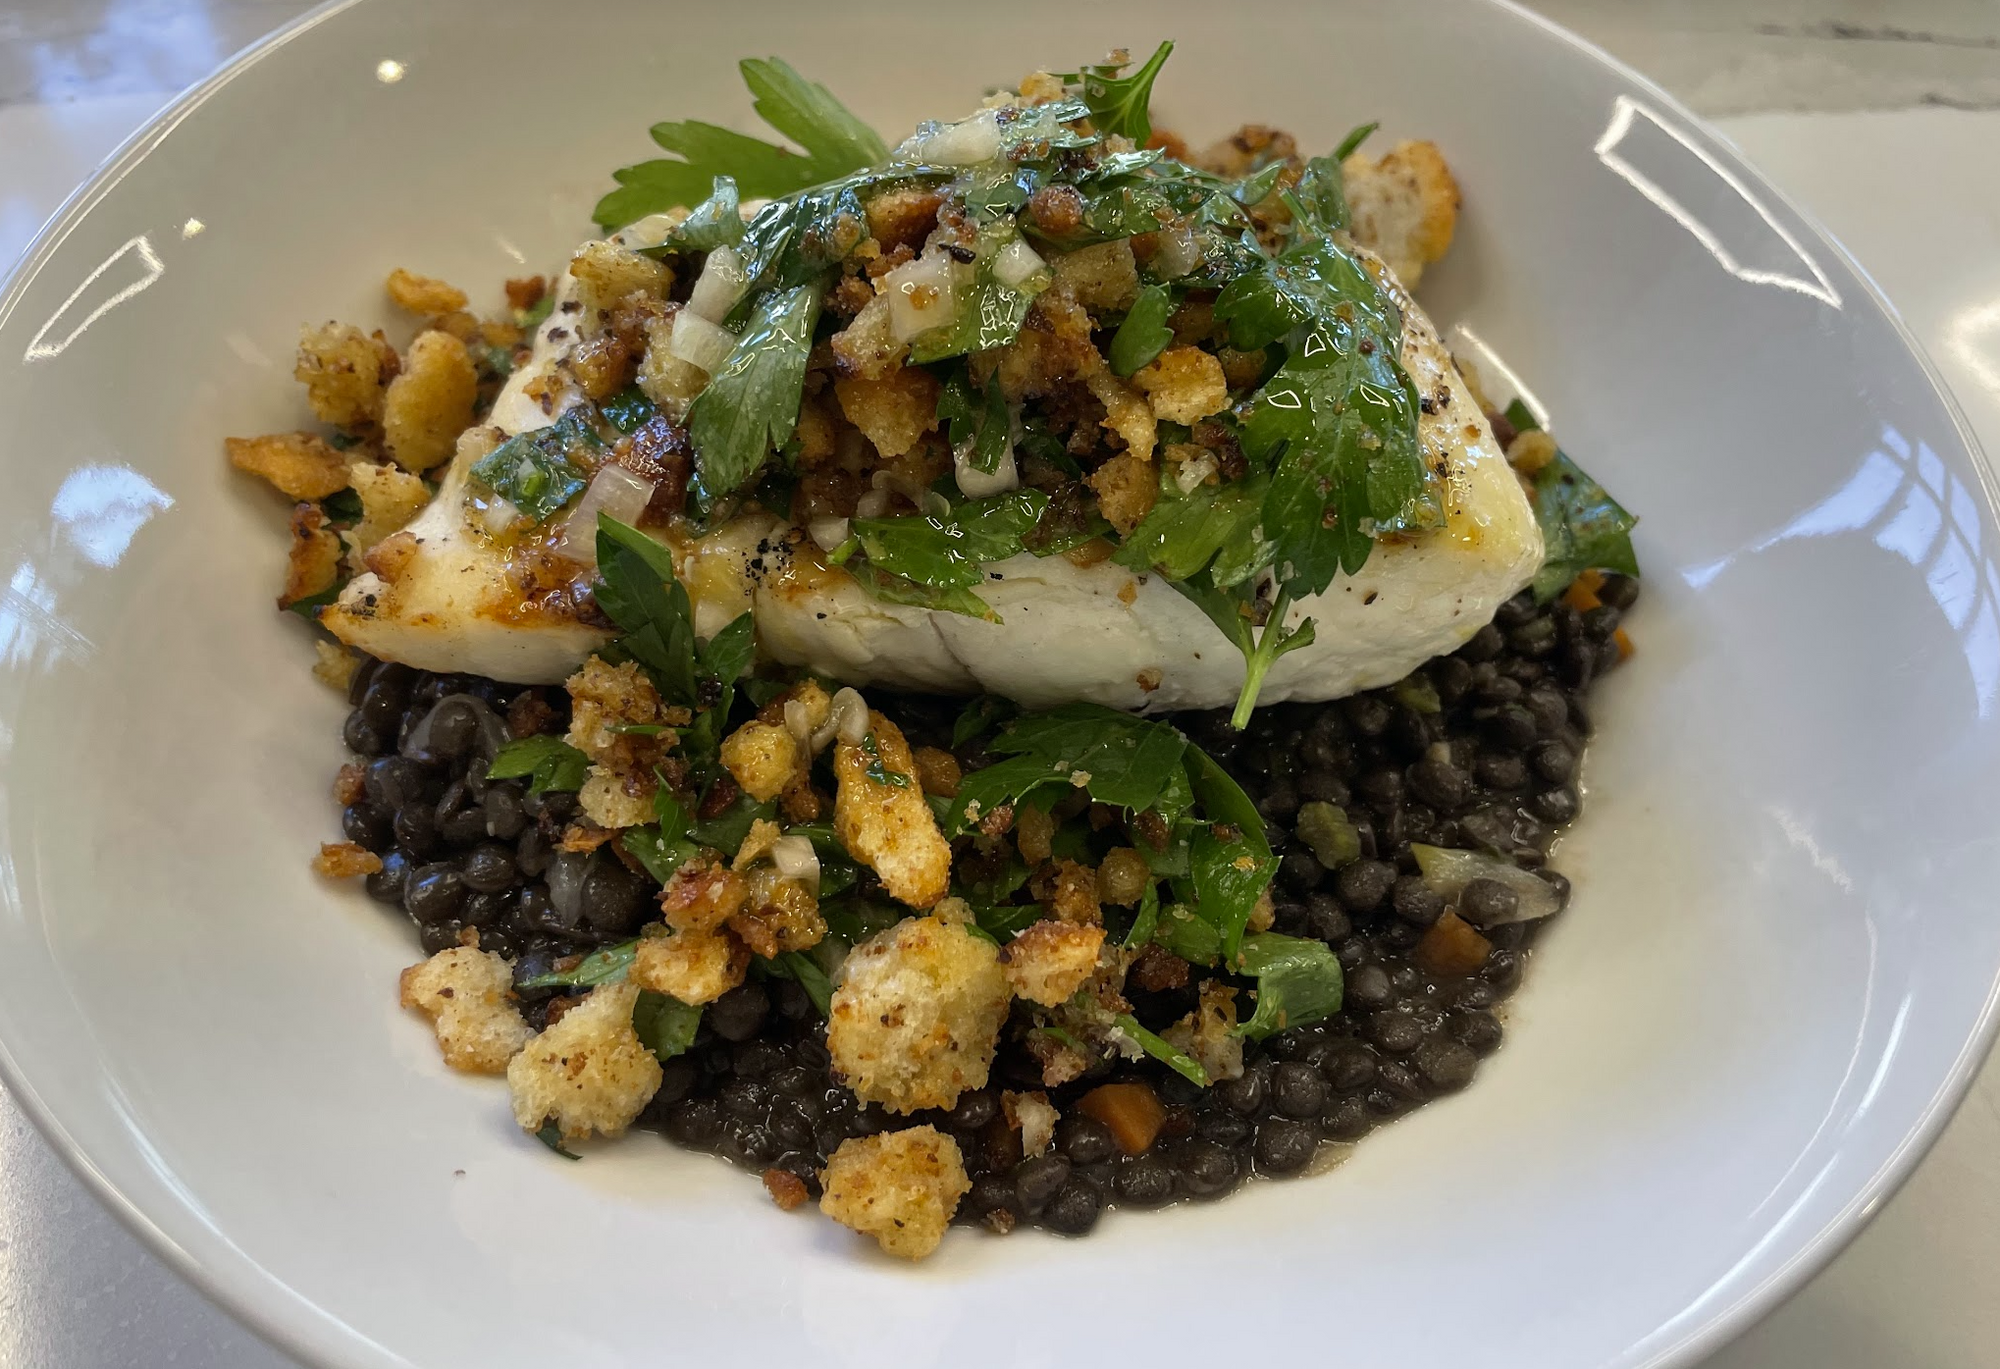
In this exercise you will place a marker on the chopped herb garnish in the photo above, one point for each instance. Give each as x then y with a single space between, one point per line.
1298 982
1121 760
551 762
835 143
1119 104
550 1135
716 222
876 771
991 311
807 974
976 422
1521 416
606 965
1168 1054
752 404
1583 528
342 506
951 550
628 410
539 472
665 1025
896 589
1144 333
308 608
1353 141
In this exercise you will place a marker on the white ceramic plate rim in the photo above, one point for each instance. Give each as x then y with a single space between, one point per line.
208 1259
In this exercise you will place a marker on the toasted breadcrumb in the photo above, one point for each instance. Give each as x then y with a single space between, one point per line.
1126 412
888 826
1208 1033
589 1072
605 697
904 217
608 801
667 380
780 914
606 273
1051 960
900 1187
1184 385
1034 1117
335 665
345 372
312 565
867 347
1127 487
423 294
390 498
894 410
300 464
1104 277
917 1015
1072 893
695 967
765 759
1403 206
345 860
468 995
787 1189
430 403
702 895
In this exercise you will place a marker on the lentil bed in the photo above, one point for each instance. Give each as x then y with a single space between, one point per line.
462 851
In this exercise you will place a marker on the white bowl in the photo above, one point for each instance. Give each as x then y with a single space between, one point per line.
1778 970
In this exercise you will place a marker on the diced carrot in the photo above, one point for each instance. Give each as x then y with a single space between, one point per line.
1582 592
1133 1112
1624 644
1452 946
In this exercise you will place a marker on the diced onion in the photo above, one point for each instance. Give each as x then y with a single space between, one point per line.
923 295
497 514
1017 263
965 143
828 533
798 721
1448 871
720 285
1193 473
977 484
872 504
699 342
613 490
847 719
1177 254
795 858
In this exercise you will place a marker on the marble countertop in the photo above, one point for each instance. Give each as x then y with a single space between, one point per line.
1860 109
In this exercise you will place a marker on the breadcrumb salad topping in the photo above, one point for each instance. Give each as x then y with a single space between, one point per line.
1226 653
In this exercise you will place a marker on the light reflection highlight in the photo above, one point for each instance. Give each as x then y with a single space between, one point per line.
1619 149
1973 335
389 71
1922 513
139 274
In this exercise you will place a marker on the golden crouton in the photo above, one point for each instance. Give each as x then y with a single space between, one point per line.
345 860
391 556
918 1013
1103 276
605 697
390 498
764 759
882 817
904 217
589 1072
668 381
1247 149
1208 1033
867 347
780 914
1072 893
1184 385
423 294
702 895
1403 207
430 403
695 967
606 273
900 1187
300 464
1033 1116
313 563
893 411
1050 960
1125 411
1127 487
607 800
345 372
469 996
335 669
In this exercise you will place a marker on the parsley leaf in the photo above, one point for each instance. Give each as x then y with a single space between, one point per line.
1121 760
977 425
342 506
664 1025
552 762
752 404
806 972
835 143
716 222
1168 1054
1521 416
550 1135
950 550
991 312
879 773
895 589
308 608
1119 104
1184 532
605 965
637 589
1230 863
1352 142
1298 982
662 847
542 470
1144 333
1322 194
1583 528
628 410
